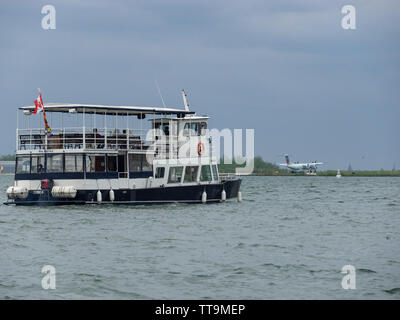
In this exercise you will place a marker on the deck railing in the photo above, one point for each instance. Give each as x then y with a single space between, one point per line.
77 138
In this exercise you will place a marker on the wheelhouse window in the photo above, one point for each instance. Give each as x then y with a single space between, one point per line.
38 164
186 129
203 130
175 174
73 163
162 128
160 172
194 129
191 174
112 163
54 163
205 173
23 164
95 163
215 172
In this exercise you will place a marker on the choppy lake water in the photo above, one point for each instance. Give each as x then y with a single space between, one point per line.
288 239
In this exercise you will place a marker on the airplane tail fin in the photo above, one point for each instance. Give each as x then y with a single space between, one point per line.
287 159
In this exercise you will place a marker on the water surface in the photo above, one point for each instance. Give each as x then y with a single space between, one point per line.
288 239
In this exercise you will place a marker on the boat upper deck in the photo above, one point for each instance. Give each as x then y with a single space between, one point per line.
106 128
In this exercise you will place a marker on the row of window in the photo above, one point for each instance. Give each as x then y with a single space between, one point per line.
76 163
207 173
190 129
59 163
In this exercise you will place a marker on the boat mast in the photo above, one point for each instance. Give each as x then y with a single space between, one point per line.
185 102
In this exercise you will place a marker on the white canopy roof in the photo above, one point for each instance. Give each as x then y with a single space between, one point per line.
112 110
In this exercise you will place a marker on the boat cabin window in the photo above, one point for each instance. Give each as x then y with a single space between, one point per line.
146 165
205 173
160 172
138 162
73 163
54 163
112 163
38 164
215 172
203 130
191 174
135 162
23 165
175 174
95 163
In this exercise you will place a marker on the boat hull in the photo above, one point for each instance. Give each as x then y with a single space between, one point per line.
157 195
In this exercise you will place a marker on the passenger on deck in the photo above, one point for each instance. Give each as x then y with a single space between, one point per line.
40 168
166 130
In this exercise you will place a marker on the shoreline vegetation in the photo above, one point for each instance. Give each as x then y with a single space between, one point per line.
264 168
7 157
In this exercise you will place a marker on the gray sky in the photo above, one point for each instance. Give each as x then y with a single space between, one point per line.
285 68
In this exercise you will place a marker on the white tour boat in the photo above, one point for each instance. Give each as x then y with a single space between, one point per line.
105 154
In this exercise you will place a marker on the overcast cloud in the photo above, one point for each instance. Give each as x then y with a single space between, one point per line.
285 68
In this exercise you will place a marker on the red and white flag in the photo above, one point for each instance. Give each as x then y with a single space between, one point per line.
39 104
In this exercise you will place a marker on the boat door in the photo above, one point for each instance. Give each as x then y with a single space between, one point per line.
123 174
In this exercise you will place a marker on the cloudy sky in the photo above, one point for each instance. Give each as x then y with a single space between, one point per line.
282 67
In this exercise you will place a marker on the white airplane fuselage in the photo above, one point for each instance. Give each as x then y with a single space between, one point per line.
300 166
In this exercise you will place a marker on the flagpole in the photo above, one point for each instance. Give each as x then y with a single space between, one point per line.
16 141
40 105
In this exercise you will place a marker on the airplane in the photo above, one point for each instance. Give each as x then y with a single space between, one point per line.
296 166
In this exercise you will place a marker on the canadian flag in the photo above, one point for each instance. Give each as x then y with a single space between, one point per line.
39 104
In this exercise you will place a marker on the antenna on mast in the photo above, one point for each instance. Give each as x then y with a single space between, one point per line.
159 92
185 102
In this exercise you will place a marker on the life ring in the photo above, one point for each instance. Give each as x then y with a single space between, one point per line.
200 148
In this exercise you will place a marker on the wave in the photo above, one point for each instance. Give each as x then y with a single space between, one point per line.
393 291
366 270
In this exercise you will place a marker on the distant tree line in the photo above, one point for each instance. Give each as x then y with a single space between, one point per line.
7 157
362 173
264 168
261 167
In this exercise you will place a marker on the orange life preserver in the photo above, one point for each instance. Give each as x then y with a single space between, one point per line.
200 148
